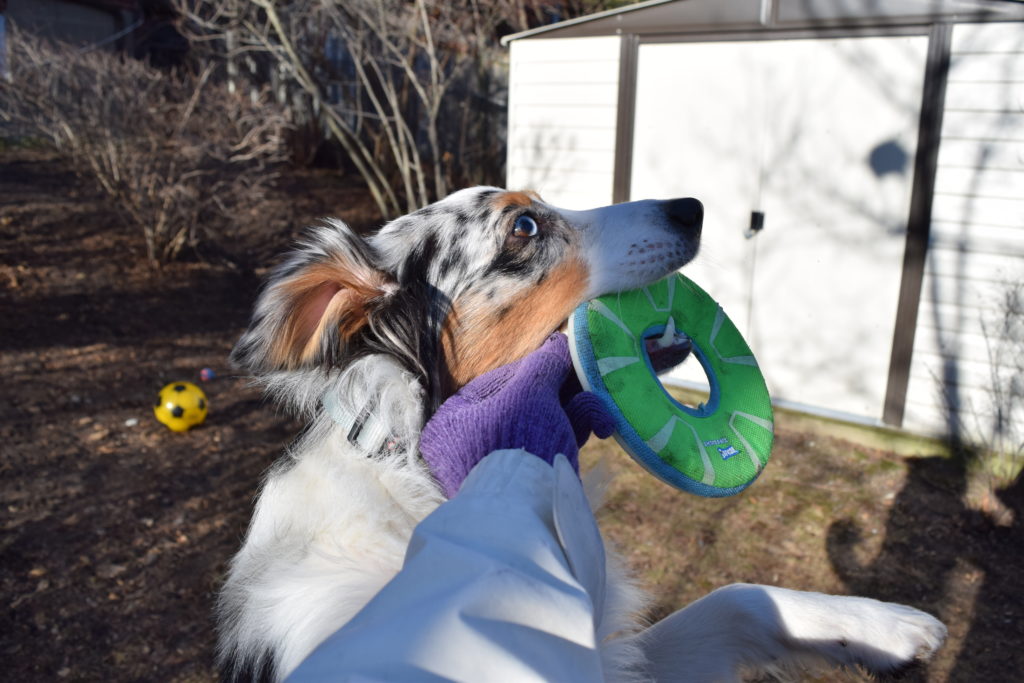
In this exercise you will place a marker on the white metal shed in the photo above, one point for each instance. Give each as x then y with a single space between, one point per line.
880 146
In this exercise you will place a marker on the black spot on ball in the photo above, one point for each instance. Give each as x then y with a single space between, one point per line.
157 402
202 404
177 411
179 387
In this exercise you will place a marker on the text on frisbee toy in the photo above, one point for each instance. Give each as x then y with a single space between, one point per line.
726 450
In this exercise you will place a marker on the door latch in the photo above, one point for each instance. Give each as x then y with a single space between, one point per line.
756 223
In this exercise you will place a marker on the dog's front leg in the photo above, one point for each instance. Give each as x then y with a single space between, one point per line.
743 628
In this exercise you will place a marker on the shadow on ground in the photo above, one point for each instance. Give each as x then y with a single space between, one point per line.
936 550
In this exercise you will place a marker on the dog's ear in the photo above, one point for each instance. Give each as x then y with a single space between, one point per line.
314 304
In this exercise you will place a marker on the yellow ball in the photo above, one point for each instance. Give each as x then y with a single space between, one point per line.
181 406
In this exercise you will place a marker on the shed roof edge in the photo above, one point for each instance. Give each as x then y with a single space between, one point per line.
995 10
582 20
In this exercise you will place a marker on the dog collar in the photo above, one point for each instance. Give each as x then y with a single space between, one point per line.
363 429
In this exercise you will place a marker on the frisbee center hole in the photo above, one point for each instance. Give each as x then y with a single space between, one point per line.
675 354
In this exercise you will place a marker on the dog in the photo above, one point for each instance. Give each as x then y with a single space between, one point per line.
366 337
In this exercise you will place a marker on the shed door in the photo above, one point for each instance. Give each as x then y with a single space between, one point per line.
819 136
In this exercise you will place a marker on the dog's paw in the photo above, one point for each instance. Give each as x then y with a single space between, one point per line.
886 637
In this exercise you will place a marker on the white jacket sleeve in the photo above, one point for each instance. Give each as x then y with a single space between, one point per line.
499 584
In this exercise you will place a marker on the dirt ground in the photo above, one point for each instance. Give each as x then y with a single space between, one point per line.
116 531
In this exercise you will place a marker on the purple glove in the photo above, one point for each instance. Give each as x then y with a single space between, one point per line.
521 405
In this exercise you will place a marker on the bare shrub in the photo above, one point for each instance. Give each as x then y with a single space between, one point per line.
178 154
412 91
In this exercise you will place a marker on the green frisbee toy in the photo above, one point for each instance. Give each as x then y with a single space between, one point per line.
714 450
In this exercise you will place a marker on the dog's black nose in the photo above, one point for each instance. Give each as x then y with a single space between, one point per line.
686 213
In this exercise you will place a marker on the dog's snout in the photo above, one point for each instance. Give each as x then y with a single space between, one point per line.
686 213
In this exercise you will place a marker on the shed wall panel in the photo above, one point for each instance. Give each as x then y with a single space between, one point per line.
979 210
558 160
969 154
985 67
971 347
974 265
1006 36
566 94
959 292
963 352
973 406
545 138
975 125
988 239
972 376
546 52
994 183
944 331
985 97
562 116
974 410
564 72
585 117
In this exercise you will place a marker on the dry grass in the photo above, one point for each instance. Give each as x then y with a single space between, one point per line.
774 532
831 516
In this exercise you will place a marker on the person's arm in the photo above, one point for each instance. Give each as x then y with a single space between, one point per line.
490 590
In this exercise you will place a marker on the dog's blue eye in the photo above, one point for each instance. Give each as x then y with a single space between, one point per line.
525 227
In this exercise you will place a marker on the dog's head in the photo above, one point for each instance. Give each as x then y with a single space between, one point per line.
460 287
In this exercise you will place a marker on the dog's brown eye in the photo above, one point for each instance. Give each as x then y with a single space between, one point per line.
525 226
